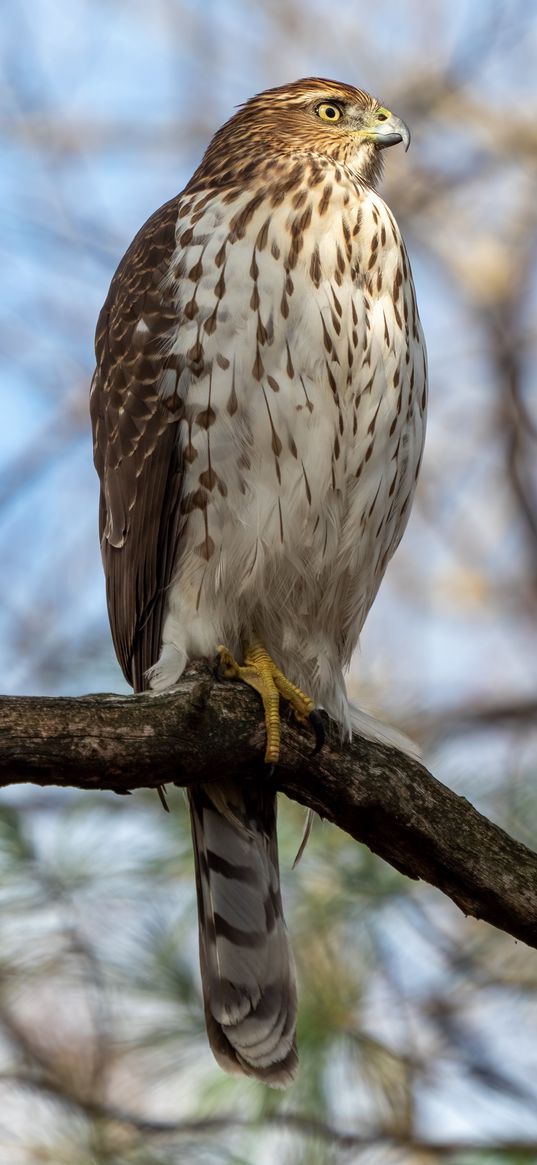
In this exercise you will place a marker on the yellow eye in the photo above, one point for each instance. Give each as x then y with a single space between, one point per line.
328 111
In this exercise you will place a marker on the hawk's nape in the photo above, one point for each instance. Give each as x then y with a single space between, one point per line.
258 411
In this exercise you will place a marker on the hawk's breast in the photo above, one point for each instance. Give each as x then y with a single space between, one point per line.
302 371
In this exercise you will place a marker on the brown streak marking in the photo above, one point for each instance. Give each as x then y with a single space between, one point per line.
325 199
238 224
335 323
337 304
206 549
190 310
232 404
294 252
327 341
276 444
317 174
332 381
372 423
209 325
309 403
315 267
220 286
374 502
198 596
258 367
262 237
195 500
290 368
209 478
206 417
220 257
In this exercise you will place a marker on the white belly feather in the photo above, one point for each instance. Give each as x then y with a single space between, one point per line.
302 437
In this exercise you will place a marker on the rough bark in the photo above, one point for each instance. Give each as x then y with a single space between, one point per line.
205 730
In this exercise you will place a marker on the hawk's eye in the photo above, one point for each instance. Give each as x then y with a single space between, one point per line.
328 111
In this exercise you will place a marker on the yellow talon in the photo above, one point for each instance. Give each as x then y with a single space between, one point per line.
260 672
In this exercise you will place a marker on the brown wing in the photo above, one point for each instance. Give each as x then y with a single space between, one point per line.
135 442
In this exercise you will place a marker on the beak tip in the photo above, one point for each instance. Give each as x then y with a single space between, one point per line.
405 136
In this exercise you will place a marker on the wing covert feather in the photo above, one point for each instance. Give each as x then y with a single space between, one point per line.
136 443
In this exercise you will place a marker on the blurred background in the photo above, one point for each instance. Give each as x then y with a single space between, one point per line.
418 1028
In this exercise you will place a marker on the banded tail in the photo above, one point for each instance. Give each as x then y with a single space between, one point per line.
247 968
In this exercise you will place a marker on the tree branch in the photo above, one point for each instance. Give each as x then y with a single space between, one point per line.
209 731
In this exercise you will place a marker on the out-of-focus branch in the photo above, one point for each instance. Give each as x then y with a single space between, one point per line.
518 714
206 731
293 1122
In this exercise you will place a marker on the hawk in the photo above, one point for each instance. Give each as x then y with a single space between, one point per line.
258 411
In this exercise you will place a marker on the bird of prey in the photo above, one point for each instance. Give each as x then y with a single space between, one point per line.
258 411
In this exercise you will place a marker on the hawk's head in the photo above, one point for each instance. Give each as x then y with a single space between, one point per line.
313 115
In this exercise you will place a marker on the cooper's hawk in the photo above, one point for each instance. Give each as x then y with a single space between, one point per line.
258 412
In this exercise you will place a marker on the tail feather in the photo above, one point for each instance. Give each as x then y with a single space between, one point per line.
246 964
363 724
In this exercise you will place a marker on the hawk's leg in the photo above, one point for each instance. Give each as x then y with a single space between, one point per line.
260 672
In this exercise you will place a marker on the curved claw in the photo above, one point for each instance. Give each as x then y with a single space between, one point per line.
316 722
225 667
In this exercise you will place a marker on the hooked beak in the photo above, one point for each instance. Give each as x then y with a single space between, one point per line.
389 131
